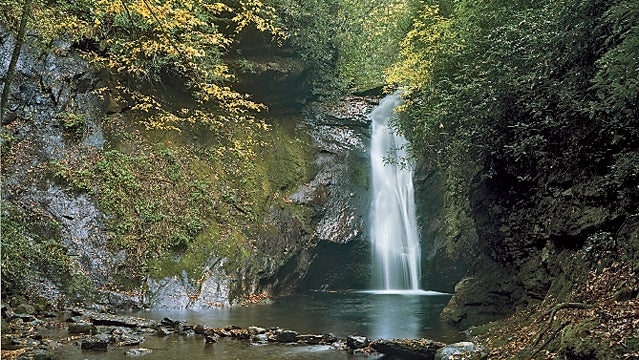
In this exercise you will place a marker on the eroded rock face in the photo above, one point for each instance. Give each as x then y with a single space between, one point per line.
543 233
272 73
51 88
340 132
339 192
181 292
46 89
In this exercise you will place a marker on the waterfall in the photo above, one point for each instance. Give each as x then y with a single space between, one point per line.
393 225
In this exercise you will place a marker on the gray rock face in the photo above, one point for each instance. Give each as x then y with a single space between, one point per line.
181 292
340 188
82 225
339 192
46 86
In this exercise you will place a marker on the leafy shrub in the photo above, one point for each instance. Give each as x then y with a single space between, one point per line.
31 249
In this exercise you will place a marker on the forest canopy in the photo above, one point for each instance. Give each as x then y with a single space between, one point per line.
345 44
143 40
518 81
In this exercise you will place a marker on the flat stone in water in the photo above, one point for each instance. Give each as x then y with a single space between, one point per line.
138 352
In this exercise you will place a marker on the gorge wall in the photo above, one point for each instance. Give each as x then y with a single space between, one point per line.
503 240
97 209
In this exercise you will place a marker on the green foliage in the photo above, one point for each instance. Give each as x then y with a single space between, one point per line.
368 39
311 27
73 122
346 43
31 249
178 199
145 40
519 84
534 95
617 80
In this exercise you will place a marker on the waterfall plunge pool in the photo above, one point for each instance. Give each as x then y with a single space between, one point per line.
400 309
365 313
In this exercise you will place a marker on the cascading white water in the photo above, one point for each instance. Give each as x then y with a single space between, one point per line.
393 224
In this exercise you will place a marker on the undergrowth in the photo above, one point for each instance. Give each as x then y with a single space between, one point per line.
174 200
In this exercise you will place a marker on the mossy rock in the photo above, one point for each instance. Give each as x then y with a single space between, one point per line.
576 343
4 326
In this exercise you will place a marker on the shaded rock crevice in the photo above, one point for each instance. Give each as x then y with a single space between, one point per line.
339 192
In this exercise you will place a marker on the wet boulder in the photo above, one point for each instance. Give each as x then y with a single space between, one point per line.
211 338
462 351
357 342
286 336
408 348
259 338
80 328
97 342
163 331
199 329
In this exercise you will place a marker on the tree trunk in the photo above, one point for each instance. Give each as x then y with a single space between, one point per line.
26 12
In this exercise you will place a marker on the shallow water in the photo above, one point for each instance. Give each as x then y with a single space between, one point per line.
373 315
194 348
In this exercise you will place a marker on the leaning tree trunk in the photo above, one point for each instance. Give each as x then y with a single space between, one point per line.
26 11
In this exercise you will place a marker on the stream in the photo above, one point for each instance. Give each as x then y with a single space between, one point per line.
373 315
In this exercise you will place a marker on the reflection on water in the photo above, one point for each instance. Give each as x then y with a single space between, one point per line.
375 316
386 316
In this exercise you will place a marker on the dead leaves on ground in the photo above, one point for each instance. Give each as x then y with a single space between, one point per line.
602 318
